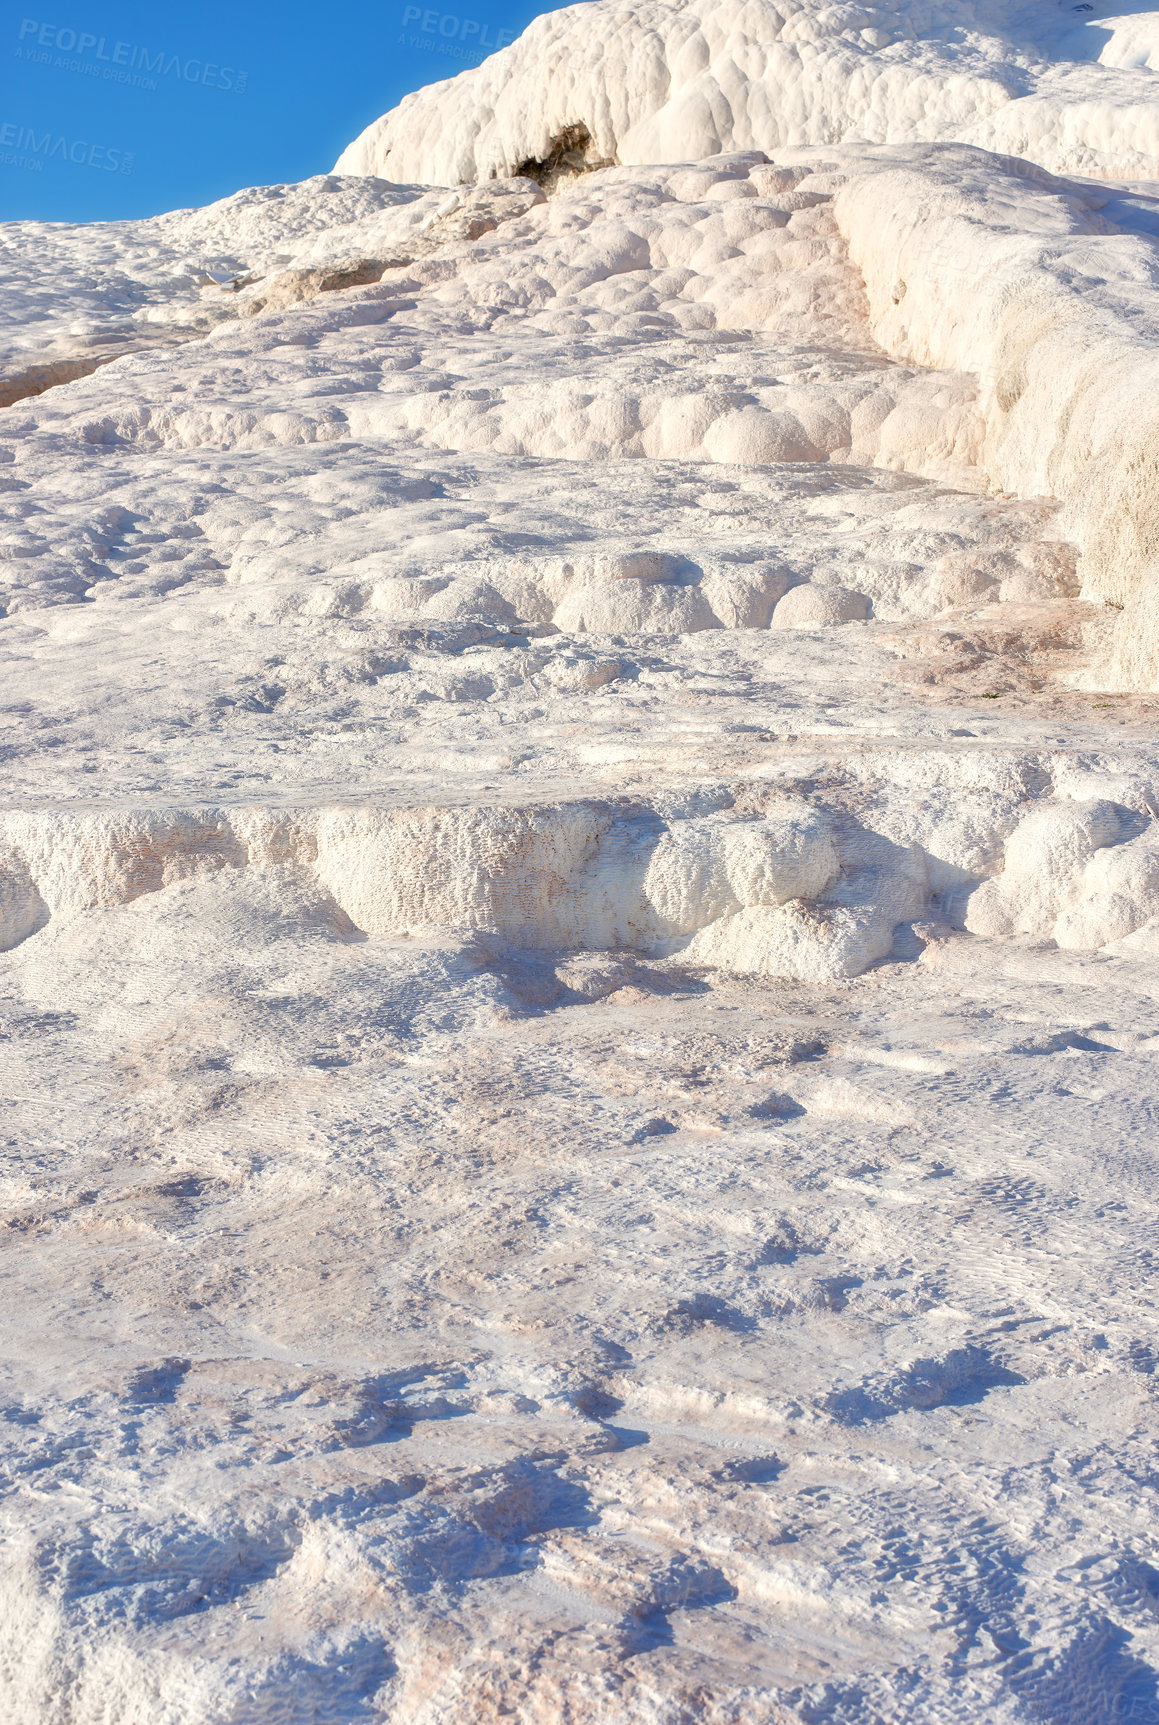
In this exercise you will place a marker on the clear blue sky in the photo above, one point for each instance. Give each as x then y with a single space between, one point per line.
125 109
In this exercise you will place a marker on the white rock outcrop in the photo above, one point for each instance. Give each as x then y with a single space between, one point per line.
580 876
579 898
1050 308
644 83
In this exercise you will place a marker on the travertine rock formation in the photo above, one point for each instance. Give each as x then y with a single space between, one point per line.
1070 86
579 900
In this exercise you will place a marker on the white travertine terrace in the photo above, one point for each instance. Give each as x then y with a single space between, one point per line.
1071 87
579 899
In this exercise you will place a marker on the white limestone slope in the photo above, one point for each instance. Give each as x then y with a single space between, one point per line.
1074 89
1043 292
579 920
1019 311
74 296
1046 293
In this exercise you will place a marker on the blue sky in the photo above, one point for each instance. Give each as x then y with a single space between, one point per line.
114 110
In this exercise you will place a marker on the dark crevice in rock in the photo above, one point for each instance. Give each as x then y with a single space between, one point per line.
35 379
571 152
49 373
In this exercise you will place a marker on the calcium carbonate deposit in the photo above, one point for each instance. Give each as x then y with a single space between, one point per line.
579 898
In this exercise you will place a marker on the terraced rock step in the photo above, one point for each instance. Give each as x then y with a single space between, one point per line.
747 879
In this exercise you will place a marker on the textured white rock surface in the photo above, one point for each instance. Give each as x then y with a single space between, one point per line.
75 296
1072 87
579 924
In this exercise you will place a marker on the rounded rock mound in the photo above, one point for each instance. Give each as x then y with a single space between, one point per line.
811 606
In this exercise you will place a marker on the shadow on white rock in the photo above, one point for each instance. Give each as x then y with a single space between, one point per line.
606 593
22 910
1080 873
790 892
